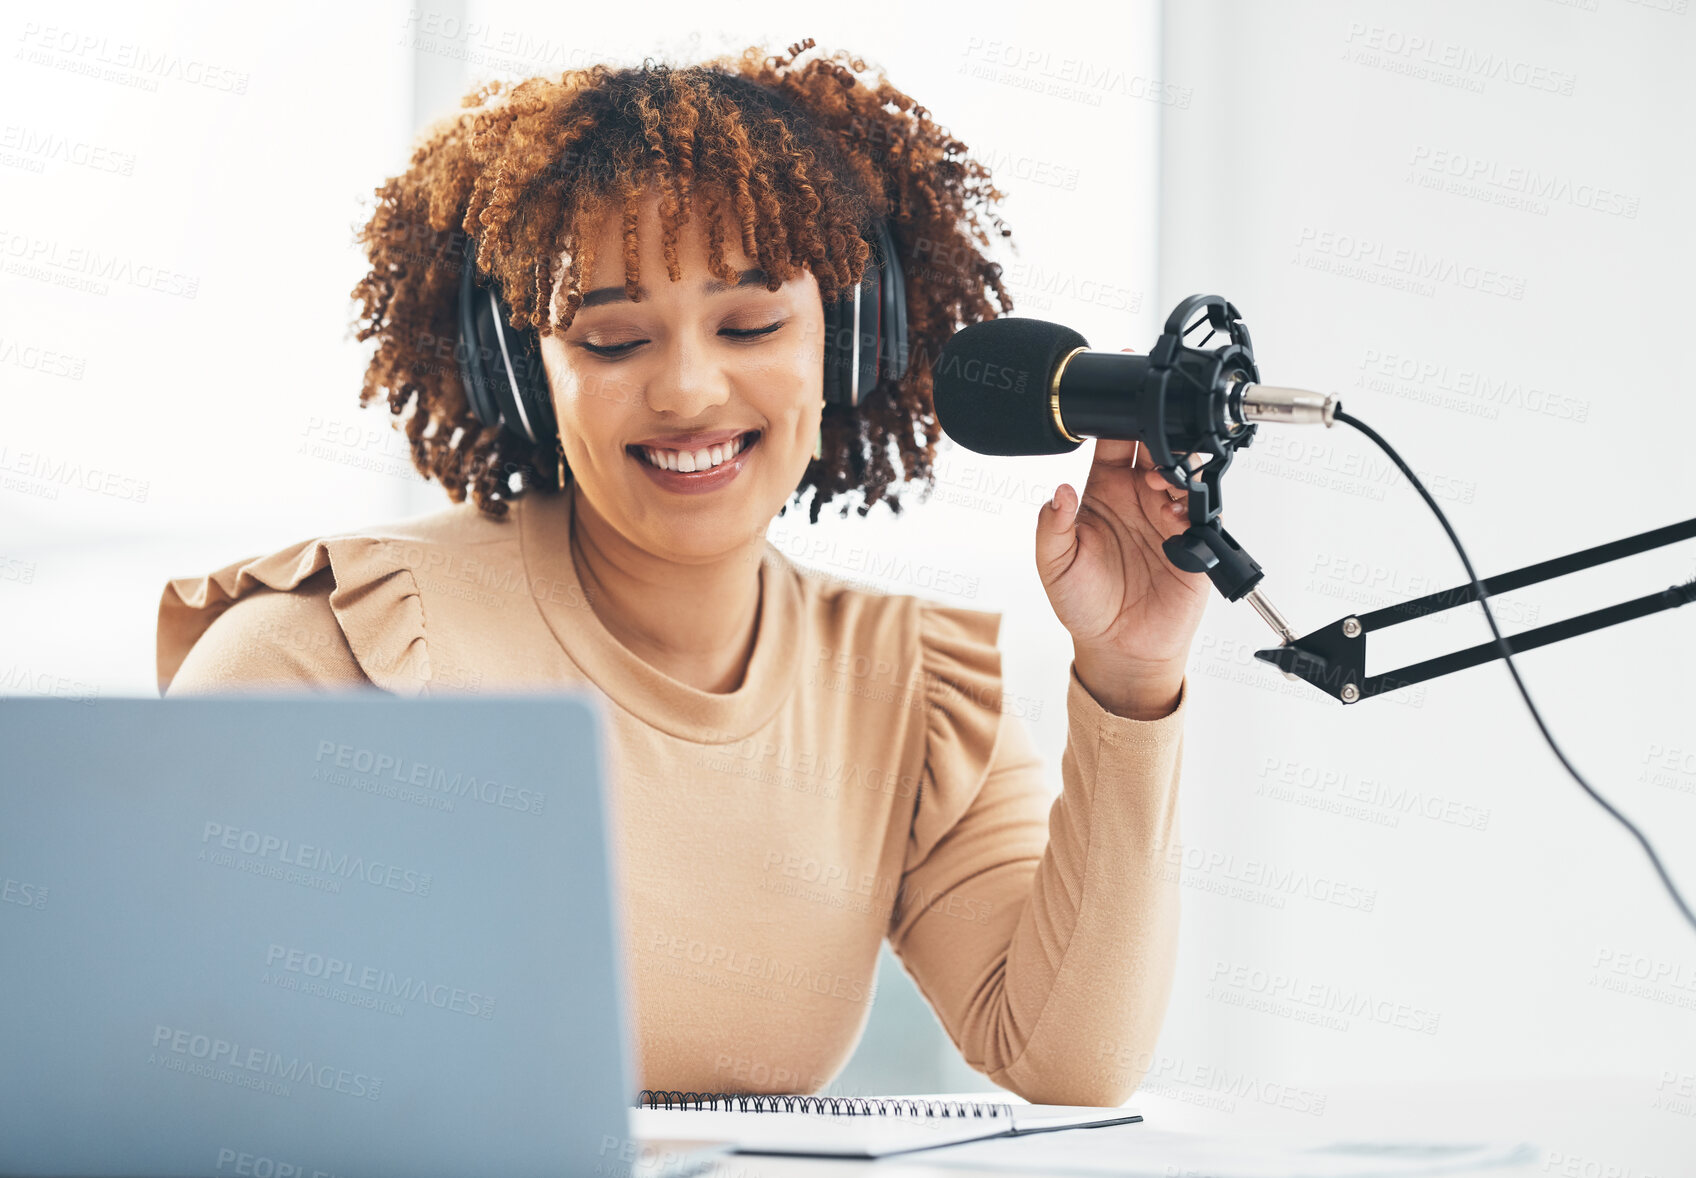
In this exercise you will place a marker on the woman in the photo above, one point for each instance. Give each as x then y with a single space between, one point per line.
801 768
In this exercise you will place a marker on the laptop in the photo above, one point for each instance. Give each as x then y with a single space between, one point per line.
293 936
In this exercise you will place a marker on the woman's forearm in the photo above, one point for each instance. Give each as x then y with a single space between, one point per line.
1061 998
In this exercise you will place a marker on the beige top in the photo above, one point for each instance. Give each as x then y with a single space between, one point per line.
865 781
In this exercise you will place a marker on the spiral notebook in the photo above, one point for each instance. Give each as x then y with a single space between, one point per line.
850 1127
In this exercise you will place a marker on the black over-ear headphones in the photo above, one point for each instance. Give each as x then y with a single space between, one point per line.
501 366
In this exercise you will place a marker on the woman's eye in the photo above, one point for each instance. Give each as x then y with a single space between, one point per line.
613 351
750 333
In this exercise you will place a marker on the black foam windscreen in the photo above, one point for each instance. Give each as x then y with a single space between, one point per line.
991 386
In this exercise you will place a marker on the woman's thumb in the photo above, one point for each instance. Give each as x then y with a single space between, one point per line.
1056 536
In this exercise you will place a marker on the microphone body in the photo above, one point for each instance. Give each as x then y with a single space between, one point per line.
1025 386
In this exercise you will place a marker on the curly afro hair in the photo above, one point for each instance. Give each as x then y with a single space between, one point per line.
530 171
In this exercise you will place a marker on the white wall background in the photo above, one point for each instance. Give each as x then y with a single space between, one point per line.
1531 160
1290 156
1293 183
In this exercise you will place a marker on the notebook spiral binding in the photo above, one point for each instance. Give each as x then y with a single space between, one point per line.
832 1105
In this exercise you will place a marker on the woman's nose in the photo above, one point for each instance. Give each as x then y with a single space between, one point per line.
690 378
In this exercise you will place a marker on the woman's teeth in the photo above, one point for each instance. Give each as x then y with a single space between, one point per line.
693 460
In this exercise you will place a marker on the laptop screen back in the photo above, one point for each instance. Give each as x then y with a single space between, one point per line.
292 936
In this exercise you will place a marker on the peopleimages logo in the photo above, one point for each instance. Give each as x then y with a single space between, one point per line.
1311 1000
1318 249
22 893
1170 1075
279 853
982 372
259 1165
739 961
322 967
214 1053
1259 879
429 777
1465 385
1439 59
96 54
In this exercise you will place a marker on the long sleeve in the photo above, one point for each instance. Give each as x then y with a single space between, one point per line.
1042 933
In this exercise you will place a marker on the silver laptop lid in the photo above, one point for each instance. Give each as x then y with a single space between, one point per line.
286 936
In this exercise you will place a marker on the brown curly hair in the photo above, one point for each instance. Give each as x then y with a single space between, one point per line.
529 170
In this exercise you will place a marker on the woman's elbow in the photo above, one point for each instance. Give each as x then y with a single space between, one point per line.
1103 1079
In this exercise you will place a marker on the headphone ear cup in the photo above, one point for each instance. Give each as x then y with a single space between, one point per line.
833 351
471 350
535 397
881 300
892 323
869 329
520 382
500 366
507 356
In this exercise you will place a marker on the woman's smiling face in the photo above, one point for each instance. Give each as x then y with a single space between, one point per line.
689 357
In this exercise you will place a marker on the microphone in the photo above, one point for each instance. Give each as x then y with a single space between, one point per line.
1025 386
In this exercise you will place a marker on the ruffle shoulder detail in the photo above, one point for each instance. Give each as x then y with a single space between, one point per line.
375 601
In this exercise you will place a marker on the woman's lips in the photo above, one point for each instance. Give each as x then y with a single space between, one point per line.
698 481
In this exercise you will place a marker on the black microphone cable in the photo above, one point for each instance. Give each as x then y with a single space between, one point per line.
1507 656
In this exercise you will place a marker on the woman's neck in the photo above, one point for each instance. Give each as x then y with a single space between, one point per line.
696 623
